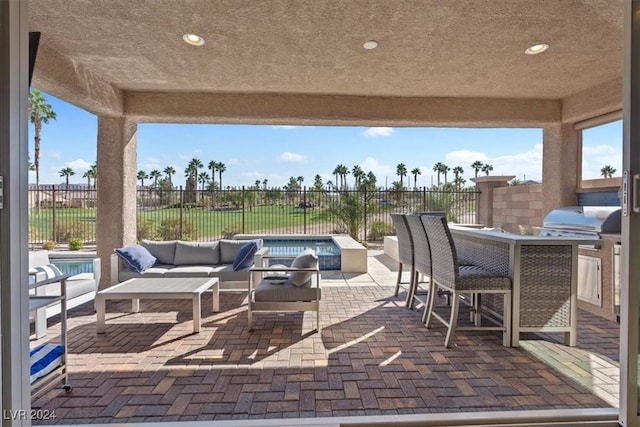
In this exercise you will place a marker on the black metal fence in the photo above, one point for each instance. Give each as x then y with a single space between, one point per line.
65 215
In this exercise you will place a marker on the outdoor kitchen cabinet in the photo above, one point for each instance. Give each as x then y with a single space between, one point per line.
543 271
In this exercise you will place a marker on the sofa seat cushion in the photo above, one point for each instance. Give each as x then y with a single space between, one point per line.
190 271
156 271
75 288
286 292
226 274
197 253
165 252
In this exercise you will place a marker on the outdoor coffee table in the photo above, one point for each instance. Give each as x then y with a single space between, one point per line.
159 288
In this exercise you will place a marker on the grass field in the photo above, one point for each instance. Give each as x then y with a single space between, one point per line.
208 224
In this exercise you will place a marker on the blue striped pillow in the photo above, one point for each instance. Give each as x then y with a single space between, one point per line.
44 272
44 359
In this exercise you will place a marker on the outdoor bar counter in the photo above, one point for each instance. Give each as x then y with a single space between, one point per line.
543 271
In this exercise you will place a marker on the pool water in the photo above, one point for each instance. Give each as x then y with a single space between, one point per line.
73 267
329 256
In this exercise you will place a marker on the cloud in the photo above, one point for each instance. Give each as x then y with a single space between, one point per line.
286 127
378 131
598 150
527 164
595 157
78 165
380 170
465 157
289 157
52 155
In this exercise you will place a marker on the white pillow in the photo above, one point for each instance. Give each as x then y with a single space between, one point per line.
306 259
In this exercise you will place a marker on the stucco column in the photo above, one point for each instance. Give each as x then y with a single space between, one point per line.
116 187
486 184
560 166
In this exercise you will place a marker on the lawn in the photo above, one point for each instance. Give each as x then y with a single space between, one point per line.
207 223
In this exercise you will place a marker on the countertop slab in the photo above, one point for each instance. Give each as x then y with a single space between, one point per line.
519 239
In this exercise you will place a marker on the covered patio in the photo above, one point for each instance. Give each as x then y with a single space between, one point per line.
373 357
437 64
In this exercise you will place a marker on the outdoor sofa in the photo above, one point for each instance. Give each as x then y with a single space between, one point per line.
176 258
81 288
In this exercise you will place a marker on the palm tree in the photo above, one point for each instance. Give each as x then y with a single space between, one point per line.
66 172
155 175
142 175
487 168
169 171
257 184
212 167
401 171
329 185
477 166
336 172
220 167
264 183
317 182
193 167
371 180
93 171
39 112
457 171
87 175
437 168
607 171
343 172
415 172
445 170
358 174
459 181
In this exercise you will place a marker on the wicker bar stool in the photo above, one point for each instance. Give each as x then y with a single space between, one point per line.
405 250
469 279
422 261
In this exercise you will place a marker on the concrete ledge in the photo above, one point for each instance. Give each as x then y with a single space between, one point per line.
391 247
354 255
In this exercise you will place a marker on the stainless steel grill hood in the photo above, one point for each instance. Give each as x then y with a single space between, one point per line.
588 221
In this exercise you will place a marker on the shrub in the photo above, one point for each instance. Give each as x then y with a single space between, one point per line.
230 230
49 245
170 230
71 230
145 230
379 229
75 244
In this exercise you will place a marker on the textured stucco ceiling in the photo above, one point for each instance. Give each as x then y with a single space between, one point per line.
428 48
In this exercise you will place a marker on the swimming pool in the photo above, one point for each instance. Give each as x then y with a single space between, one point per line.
329 256
73 267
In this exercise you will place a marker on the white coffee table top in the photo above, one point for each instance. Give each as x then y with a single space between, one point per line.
161 285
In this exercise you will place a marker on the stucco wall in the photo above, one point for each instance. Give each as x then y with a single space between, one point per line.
518 208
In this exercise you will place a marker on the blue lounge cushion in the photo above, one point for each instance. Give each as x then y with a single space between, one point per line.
136 258
244 257
44 359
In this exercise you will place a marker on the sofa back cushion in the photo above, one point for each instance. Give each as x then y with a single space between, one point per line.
230 248
37 258
197 253
305 259
164 252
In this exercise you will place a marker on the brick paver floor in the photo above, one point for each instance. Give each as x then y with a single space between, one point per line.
372 357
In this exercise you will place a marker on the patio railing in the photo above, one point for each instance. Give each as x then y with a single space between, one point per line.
60 215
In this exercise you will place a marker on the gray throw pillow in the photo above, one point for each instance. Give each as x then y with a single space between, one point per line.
306 259
165 252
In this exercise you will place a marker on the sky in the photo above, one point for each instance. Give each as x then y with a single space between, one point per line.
276 153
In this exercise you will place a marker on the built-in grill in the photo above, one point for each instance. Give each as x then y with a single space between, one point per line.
582 221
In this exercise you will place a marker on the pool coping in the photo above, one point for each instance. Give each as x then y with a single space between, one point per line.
353 254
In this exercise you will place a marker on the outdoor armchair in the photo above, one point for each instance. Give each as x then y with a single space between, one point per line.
283 289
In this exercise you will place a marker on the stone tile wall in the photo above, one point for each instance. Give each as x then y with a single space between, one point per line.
518 209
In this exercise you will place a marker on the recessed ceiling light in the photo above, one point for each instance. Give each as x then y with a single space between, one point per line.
536 49
193 39
370 44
